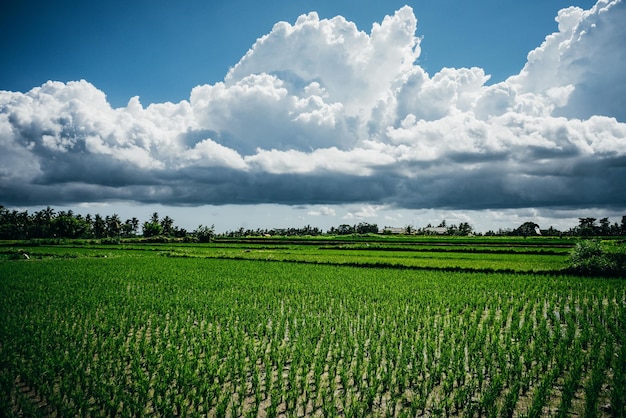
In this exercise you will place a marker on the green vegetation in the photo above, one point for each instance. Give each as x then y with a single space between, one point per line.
384 326
592 258
451 253
49 224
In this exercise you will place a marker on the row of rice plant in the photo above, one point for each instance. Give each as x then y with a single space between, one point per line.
164 336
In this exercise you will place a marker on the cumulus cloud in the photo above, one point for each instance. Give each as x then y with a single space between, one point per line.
320 112
583 61
322 211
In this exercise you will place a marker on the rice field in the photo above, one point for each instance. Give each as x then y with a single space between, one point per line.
258 330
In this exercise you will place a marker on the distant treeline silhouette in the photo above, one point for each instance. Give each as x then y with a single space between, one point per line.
48 223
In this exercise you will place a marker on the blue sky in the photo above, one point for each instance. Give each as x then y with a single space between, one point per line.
160 50
213 112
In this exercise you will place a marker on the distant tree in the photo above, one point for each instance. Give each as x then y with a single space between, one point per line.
465 229
366 228
89 226
13 224
167 224
345 229
587 226
65 225
152 229
615 229
99 227
205 233
22 223
41 225
130 227
526 229
179 232
113 225
308 230
605 226
552 232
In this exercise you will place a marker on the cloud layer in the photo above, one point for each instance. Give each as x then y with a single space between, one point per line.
319 112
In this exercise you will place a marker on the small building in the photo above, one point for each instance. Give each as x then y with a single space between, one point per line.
392 230
436 230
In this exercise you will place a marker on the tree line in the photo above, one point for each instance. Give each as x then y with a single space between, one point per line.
587 227
49 224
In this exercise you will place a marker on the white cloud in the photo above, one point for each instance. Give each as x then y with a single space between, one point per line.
258 111
358 161
322 211
322 113
209 153
586 56
365 212
354 68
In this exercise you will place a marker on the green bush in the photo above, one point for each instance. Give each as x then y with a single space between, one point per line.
590 257
617 255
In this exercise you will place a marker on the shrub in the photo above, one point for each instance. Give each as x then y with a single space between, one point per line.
589 257
617 256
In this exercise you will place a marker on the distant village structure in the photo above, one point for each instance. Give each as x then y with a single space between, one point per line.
436 230
393 230
430 230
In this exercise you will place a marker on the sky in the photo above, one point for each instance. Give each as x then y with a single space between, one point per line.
245 114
